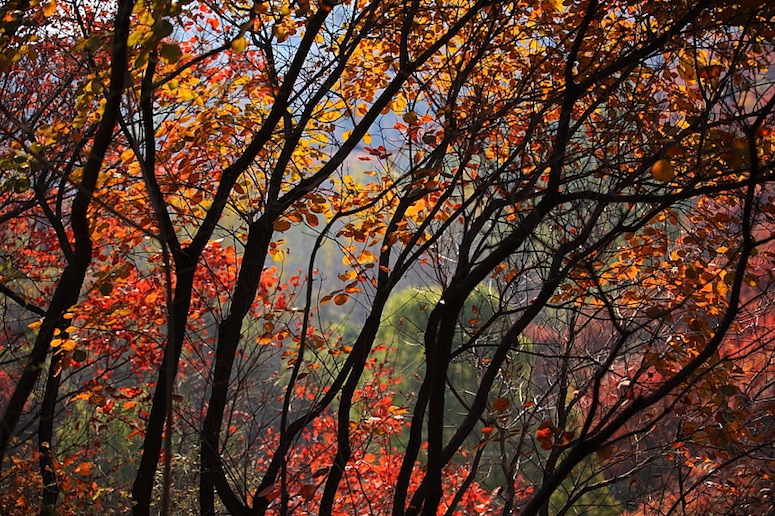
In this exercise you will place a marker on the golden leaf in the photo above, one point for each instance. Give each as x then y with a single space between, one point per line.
49 8
239 45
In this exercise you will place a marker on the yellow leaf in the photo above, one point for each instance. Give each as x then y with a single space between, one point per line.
145 18
35 325
239 44
186 93
264 339
330 116
398 411
366 257
349 275
138 36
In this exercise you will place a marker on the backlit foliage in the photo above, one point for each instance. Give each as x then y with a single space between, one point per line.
386 257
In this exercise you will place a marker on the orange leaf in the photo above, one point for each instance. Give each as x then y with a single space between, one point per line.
341 299
312 219
349 275
49 8
282 225
544 433
500 404
83 469
663 171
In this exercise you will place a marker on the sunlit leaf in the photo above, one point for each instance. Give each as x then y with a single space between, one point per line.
49 8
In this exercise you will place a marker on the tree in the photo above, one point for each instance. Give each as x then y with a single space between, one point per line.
584 186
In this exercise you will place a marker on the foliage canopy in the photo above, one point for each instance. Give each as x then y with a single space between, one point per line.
387 257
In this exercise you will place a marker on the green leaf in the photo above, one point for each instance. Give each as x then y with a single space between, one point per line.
21 185
161 29
171 53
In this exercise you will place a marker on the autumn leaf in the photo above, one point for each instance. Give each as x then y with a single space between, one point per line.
239 44
663 171
500 404
307 491
49 8
282 225
270 492
171 53
515 155
162 29
84 469
545 435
